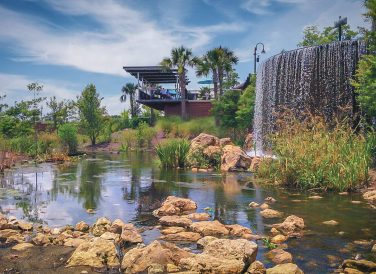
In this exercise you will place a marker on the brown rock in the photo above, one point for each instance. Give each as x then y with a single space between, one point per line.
234 159
172 230
175 206
248 143
278 239
96 253
315 197
114 237
331 222
101 226
291 226
137 260
41 239
117 226
82 226
199 216
370 196
274 231
22 246
73 242
239 231
253 204
209 228
182 237
279 256
6 233
171 268
270 200
130 234
270 213
256 161
175 221
205 240
256 268
348 270
24 225
203 263
204 140
288 268
225 141
212 151
264 206
362 265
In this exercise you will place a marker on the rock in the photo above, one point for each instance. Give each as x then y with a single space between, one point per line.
256 161
356 202
5 225
82 226
279 256
278 239
90 211
288 268
130 234
24 225
55 231
139 259
182 237
256 268
374 248
343 193
205 240
239 231
234 159
222 256
41 239
270 200
225 141
270 213
117 226
6 233
171 268
264 206
209 228
362 265
212 151
172 230
22 246
73 242
199 216
291 226
101 226
248 142
175 221
110 236
156 268
175 206
331 222
204 140
253 204
315 197
274 231
348 270
96 253
370 196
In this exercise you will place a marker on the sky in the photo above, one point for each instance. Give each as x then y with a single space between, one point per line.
66 44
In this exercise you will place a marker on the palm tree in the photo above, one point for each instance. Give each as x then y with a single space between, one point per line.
129 89
180 58
226 59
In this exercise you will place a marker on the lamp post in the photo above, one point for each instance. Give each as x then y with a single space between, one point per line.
338 24
256 58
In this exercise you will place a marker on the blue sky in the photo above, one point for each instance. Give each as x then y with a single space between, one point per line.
66 44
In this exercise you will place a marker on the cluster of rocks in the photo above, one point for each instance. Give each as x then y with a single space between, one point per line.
208 151
119 245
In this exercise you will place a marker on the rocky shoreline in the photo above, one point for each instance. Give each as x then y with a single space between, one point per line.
119 247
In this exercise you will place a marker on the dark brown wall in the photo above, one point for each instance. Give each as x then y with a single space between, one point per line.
194 109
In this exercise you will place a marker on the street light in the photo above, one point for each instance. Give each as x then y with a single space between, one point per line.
338 24
257 58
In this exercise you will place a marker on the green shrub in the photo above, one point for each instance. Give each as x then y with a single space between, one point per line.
138 138
310 154
173 152
23 144
197 158
68 136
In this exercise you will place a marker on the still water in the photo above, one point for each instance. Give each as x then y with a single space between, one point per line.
130 186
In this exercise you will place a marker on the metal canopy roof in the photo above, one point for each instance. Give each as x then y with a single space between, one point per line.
153 74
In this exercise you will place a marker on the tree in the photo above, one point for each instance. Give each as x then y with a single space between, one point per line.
130 90
180 58
2 105
246 105
60 111
91 113
313 37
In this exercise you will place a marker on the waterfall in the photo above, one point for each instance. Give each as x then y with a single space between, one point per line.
317 79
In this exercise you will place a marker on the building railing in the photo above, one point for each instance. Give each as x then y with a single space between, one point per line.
169 95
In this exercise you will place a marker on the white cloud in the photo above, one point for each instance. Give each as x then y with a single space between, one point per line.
123 37
262 7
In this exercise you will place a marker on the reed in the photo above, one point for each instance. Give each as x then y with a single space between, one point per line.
313 154
173 152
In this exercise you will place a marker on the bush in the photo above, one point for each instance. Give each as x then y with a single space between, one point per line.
138 138
68 136
310 154
173 152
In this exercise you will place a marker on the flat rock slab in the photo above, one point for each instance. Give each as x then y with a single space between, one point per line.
175 221
210 228
182 237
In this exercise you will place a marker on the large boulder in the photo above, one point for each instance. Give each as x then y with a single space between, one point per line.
234 159
182 237
175 206
288 268
291 226
139 259
101 226
97 253
209 228
239 231
222 256
204 140
130 234
175 221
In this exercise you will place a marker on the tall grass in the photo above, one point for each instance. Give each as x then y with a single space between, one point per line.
175 127
311 154
173 152
138 138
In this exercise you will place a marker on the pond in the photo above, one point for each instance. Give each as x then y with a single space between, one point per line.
129 186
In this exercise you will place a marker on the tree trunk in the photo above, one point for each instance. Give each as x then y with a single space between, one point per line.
93 140
215 83
220 80
183 96
132 105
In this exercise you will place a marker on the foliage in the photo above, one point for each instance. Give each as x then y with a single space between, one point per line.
246 106
91 112
310 154
2 105
138 138
68 136
47 143
130 90
313 37
268 244
173 152
197 158
60 111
